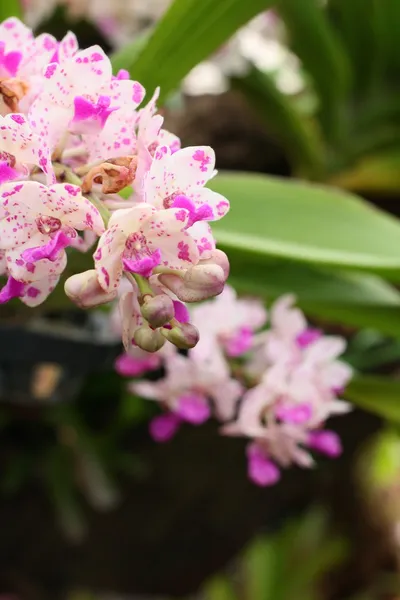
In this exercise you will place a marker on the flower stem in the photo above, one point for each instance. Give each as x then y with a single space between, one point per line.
142 283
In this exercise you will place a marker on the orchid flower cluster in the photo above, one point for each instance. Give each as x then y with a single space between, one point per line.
275 386
71 139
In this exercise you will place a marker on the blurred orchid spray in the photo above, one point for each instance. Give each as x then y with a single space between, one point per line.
275 387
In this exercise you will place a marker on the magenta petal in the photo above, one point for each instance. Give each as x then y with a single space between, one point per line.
182 201
10 61
327 442
90 117
260 469
296 415
181 312
164 427
12 289
143 266
240 343
7 173
203 213
50 250
194 409
308 337
130 366
122 74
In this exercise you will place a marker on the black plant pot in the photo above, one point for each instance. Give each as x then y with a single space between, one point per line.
47 361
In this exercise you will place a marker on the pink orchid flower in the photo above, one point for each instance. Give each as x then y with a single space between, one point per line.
227 322
177 180
20 148
80 95
141 238
24 57
189 385
37 223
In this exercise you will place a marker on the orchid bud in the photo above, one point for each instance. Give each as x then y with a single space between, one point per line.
218 258
148 339
184 337
85 291
206 277
158 310
199 283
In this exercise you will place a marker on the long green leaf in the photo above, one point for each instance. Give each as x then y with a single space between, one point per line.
189 32
306 223
379 395
283 119
126 55
322 55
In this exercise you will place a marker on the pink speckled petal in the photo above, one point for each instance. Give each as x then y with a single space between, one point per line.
108 258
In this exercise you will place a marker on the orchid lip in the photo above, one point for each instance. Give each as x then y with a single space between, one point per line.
12 289
50 251
143 266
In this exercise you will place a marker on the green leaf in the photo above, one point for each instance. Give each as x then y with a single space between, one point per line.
379 395
282 118
272 217
386 19
354 299
189 32
376 174
126 55
322 55
354 24
219 588
10 8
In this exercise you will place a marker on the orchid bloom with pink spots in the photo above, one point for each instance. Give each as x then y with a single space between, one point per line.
79 96
141 238
23 58
37 224
177 180
20 148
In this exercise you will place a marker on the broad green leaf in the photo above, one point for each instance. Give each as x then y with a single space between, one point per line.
314 40
10 8
306 223
379 395
282 118
354 299
189 32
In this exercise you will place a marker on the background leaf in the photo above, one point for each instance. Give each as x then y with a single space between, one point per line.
306 223
379 395
354 25
354 299
10 8
322 55
189 32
